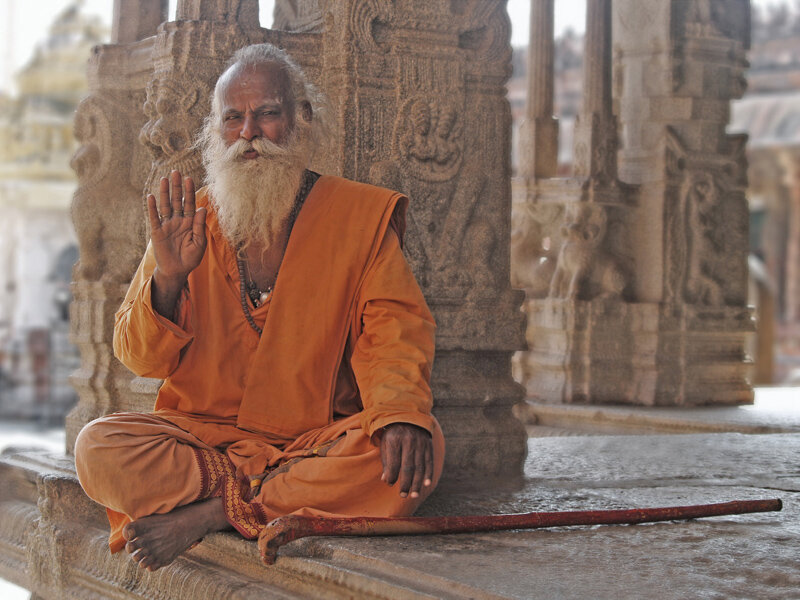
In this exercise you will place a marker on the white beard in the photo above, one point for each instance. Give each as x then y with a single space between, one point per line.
254 197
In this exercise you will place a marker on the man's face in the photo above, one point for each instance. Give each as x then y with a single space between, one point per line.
257 103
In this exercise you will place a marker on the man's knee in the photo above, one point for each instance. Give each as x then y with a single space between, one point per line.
91 447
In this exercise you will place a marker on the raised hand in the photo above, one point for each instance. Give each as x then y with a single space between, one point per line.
178 235
407 457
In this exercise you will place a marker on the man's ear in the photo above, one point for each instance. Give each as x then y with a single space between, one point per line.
307 111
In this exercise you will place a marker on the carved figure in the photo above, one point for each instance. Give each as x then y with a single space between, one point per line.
701 198
533 252
416 143
174 111
584 270
428 133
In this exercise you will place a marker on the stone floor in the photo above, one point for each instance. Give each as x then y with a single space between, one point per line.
746 556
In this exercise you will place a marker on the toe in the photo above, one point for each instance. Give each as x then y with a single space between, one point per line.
132 546
129 531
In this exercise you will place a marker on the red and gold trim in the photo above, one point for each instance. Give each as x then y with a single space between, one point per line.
219 479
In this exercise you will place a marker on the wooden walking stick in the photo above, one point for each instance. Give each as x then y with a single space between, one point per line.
283 530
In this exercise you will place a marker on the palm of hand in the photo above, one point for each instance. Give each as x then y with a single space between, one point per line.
177 231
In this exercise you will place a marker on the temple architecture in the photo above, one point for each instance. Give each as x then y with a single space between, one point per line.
38 245
634 267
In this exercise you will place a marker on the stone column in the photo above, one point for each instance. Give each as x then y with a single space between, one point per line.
539 131
135 20
596 128
423 110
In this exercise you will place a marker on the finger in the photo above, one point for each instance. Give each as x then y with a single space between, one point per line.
177 193
152 213
419 471
164 208
199 226
406 469
428 480
188 197
385 460
391 462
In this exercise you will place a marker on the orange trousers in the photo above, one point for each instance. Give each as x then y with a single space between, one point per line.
139 464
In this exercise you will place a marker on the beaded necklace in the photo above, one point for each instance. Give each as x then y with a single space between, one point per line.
249 288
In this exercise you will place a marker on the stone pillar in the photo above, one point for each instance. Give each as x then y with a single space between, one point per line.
596 129
423 110
539 131
646 302
135 20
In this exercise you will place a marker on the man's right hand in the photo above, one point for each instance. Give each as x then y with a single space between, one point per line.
178 235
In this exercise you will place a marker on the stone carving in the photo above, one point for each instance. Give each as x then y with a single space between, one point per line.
535 240
100 126
706 224
429 138
175 107
584 270
700 197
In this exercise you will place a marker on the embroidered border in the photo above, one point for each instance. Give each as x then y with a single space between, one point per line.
219 479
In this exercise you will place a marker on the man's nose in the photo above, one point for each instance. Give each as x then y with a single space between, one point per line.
250 128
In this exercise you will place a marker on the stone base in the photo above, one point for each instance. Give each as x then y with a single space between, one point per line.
612 352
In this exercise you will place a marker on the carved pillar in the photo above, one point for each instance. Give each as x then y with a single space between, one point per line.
539 131
646 302
420 86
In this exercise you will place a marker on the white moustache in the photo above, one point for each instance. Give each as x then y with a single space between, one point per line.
264 147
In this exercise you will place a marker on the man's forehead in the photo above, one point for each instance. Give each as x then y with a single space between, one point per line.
270 79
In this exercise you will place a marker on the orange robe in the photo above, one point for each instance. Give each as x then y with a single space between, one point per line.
346 349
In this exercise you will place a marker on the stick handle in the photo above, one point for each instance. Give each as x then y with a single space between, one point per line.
283 530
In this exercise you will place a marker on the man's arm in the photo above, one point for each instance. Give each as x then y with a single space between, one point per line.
392 361
149 330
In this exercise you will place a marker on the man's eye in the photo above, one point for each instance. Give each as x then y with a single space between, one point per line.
231 117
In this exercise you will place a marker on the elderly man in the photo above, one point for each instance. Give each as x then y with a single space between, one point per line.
294 343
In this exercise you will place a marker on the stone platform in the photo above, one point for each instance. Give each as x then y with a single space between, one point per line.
52 539
775 410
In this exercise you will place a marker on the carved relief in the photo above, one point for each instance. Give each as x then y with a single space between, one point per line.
706 225
584 270
700 196
369 22
534 247
175 107
428 138
105 214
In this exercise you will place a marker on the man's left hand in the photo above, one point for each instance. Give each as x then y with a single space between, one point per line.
407 456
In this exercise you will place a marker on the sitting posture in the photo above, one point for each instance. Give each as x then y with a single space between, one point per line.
294 343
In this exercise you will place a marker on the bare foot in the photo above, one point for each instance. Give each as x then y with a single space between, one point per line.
157 540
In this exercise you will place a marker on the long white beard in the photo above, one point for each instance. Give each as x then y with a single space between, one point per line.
253 197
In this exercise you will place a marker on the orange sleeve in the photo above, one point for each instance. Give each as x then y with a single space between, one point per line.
393 355
144 341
